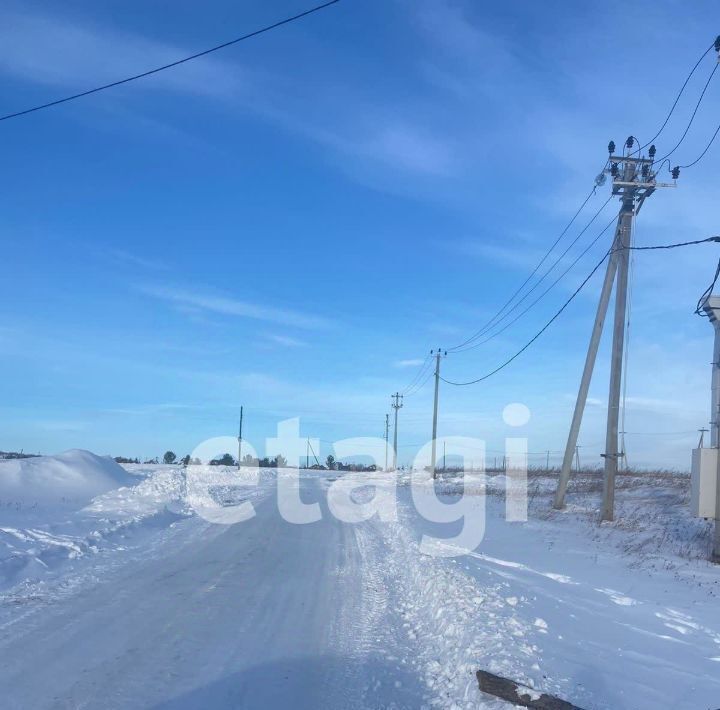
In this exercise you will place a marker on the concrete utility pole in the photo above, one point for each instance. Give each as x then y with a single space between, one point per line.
387 436
711 306
438 355
633 181
396 404
240 438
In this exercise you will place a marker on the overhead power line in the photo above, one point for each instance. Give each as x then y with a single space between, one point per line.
176 63
672 246
692 117
420 384
714 45
421 370
572 297
547 290
489 323
517 304
707 148
707 293
537 335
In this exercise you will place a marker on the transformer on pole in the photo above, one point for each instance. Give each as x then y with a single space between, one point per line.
633 182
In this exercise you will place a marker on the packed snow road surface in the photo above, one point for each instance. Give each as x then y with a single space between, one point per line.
155 607
262 614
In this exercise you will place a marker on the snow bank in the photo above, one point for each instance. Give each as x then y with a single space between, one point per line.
59 509
72 478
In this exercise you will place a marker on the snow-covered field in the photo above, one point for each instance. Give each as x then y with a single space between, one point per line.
114 594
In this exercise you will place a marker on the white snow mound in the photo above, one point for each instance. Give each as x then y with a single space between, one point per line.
73 477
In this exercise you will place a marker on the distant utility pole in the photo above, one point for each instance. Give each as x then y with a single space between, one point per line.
395 404
633 181
623 451
577 459
443 455
547 461
702 437
240 438
387 437
438 355
307 453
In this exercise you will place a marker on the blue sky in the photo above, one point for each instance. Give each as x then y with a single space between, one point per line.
291 223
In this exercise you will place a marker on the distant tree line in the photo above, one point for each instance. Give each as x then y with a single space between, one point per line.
279 461
16 455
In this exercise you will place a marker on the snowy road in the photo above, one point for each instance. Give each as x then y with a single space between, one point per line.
259 614
269 614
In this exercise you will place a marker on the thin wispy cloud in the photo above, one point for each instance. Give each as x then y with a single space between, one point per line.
55 51
126 257
412 362
376 135
224 305
285 340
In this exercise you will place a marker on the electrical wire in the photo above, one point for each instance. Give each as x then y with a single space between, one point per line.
422 384
417 376
572 297
539 281
707 148
706 294
546 291
144 74
537 335
692 117
534 271
671 246
677 98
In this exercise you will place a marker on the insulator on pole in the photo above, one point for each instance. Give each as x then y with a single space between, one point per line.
717 43
652 151
675 172
611 147
630 142
614 170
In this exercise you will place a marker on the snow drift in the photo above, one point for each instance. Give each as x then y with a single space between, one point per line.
60 509
73 477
